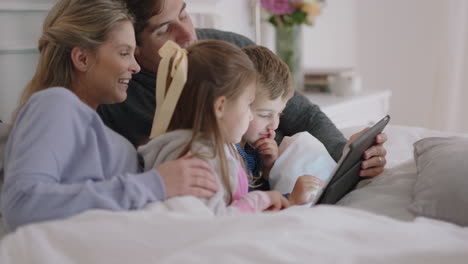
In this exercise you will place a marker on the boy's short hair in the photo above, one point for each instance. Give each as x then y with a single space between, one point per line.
273 75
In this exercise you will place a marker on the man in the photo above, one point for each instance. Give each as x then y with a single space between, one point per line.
160 20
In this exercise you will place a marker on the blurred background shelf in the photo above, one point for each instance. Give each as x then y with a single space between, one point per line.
357 110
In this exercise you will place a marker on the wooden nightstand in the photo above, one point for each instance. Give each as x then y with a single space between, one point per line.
358 110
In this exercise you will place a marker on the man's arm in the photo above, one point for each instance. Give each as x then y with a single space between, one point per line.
301 115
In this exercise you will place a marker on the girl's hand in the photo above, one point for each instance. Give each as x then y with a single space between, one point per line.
268 149
305 185
278 202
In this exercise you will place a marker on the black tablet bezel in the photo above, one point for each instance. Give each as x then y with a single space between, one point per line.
346 174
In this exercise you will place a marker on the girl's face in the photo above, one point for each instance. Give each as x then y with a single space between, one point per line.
112 67
237 115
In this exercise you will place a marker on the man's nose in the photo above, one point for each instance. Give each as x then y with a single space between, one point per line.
184 35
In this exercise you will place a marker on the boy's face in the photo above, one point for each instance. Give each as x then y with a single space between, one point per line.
266 115
173 23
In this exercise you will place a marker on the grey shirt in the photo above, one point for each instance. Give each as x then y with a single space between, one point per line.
133 118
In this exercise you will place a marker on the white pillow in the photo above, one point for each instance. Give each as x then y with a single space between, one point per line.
441 186
299 155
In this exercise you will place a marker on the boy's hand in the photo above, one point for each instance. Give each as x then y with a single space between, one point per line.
305 185
268 149
278 202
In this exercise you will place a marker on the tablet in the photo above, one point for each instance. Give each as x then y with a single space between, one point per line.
346 174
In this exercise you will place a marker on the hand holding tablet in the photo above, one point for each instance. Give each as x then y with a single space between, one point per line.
346 174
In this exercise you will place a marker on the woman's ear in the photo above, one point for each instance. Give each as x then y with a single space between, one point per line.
220 106
81 59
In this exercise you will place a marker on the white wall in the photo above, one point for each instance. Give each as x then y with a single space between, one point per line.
398 50
331 41
412 48
233 15
20 26
451 95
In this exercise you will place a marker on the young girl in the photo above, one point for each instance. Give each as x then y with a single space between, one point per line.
216 82
60 158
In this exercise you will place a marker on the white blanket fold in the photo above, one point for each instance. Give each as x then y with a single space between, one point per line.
301 154
183 230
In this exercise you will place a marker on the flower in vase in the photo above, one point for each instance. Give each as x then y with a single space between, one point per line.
292 12
279 7
312 9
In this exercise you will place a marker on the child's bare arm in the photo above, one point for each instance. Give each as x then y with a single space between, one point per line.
278 202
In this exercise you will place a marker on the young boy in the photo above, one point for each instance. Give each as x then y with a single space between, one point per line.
258 147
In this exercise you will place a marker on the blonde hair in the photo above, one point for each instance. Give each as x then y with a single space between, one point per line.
69 24
215 68
274 77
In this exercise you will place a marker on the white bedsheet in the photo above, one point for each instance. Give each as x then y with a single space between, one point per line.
183 230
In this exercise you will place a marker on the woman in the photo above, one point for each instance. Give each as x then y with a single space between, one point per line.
60 158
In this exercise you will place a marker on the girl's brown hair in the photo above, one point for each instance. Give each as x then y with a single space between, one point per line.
215 68
69 24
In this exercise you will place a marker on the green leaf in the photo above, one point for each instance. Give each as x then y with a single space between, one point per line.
273 21
299 17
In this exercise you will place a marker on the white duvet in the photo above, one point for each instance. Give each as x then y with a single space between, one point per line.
183 230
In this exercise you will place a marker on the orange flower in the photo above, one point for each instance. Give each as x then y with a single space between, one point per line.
311 8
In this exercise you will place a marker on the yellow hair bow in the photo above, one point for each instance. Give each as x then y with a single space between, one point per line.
166 99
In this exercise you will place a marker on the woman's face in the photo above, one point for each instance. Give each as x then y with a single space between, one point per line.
112 66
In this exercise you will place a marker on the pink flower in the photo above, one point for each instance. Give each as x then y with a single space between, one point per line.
279 7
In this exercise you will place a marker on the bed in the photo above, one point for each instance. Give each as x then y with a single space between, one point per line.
372 224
